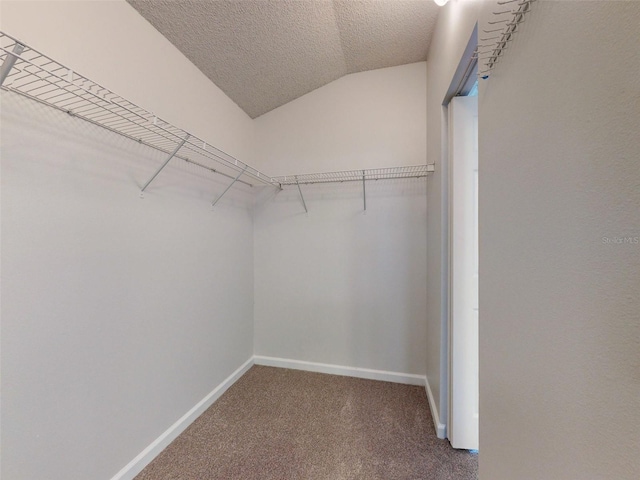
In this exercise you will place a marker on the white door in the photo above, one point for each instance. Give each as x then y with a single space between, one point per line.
463 161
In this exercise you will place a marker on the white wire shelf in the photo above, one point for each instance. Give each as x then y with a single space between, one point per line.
501 30
413 171
30 73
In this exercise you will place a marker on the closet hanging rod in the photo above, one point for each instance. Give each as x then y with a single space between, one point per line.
34 75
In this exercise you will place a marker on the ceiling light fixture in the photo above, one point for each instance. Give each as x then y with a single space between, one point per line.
441 3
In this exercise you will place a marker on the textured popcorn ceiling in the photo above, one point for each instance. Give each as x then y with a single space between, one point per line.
265 53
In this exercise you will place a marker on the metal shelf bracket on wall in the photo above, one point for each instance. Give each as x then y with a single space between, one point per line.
9 61
213 204
173 154
364 191
301 196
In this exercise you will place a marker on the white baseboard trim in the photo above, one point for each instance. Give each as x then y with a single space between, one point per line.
441 428
396 377
135 466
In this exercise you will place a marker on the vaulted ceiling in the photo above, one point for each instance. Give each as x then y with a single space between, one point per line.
265 53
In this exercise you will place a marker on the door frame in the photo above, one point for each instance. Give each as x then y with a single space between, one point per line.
467 68
463 337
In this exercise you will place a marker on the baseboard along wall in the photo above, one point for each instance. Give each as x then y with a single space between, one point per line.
441 428
135 466
382 375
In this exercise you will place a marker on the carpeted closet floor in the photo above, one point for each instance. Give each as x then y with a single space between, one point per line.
283 424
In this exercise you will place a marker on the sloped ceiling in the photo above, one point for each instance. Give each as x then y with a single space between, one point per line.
265 53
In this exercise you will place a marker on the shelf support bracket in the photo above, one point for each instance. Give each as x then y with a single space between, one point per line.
173 154
9 61
301 197
364 192
213 204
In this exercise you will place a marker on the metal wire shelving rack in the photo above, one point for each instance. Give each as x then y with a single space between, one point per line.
30 73
412 171
501 30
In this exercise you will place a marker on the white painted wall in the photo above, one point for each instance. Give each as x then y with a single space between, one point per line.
455 24
337 286
559 306
118 314
559 329
363 120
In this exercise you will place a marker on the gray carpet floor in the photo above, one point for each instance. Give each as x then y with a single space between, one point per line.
284 424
